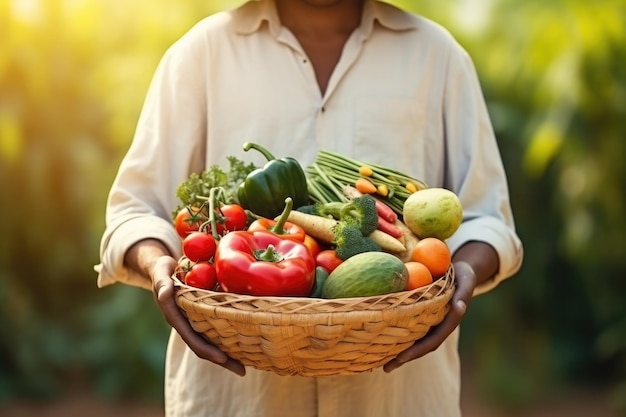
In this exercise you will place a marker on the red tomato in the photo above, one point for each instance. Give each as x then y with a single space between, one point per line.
184 223
235 218
328 259
199 246
202 275
312 245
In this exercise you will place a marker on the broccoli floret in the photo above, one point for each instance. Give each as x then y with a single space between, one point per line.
363 210
310 209
360 211
349 240
330 209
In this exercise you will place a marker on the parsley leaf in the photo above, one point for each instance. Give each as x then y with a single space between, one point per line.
191 191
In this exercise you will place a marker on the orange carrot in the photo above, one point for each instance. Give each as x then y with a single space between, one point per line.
365 186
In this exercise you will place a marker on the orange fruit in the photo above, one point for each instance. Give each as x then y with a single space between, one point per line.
419 275
434 253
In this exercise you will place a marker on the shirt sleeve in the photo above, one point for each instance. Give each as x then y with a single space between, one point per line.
474 170
168 145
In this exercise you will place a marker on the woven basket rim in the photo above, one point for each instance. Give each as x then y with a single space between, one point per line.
436 292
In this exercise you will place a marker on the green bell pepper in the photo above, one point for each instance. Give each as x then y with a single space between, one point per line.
265 189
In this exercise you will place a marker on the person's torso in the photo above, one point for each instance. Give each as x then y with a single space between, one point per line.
383 104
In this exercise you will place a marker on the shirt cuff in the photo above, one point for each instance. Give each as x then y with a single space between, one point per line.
116 243
501 237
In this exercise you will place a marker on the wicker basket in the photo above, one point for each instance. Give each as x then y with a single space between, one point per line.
311 336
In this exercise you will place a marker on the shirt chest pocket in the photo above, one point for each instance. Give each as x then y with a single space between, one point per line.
390 131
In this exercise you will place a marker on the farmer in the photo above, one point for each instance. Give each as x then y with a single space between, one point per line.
358 77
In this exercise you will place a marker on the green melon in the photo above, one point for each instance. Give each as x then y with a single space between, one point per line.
433 212
366 274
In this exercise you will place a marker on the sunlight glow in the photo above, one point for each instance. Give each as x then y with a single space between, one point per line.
472 15
29 10
11 139
544 145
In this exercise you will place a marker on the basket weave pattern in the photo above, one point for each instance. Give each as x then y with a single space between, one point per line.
312 336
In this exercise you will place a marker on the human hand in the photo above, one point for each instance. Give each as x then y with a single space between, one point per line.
465 282
163 289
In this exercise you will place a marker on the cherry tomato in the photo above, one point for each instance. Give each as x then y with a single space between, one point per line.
328 259
199 246
235 218
202 275
312 245
183 266
184 223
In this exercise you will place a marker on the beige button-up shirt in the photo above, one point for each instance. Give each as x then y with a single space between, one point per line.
404 94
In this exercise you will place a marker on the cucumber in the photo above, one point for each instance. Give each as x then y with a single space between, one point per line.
366 274
321 274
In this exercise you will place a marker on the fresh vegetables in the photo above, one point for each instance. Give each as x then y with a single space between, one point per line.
360 212
419 275
434 254
366 171
389 228
230 217
328 259
386 216
321 274
264 264
365 186
382 190
273 231
188 219
384 211
264 190
356 222
349 240
331 172
212 216
322 228
194 190
366 274
199 246
312 245
433 212
182 267
201 275
280 226
408 239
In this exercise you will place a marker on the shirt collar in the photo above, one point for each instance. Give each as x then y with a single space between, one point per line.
250 17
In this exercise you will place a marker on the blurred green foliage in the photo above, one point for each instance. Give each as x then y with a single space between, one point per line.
73 75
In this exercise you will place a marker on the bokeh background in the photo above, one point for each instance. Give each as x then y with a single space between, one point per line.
73 76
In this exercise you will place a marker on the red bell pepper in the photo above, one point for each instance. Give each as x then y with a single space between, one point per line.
264 264
281 226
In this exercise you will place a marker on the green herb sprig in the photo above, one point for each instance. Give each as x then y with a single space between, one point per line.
195 189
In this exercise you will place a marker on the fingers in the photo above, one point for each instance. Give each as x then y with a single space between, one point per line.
465 281
465 278
435 337
164 295
234 366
